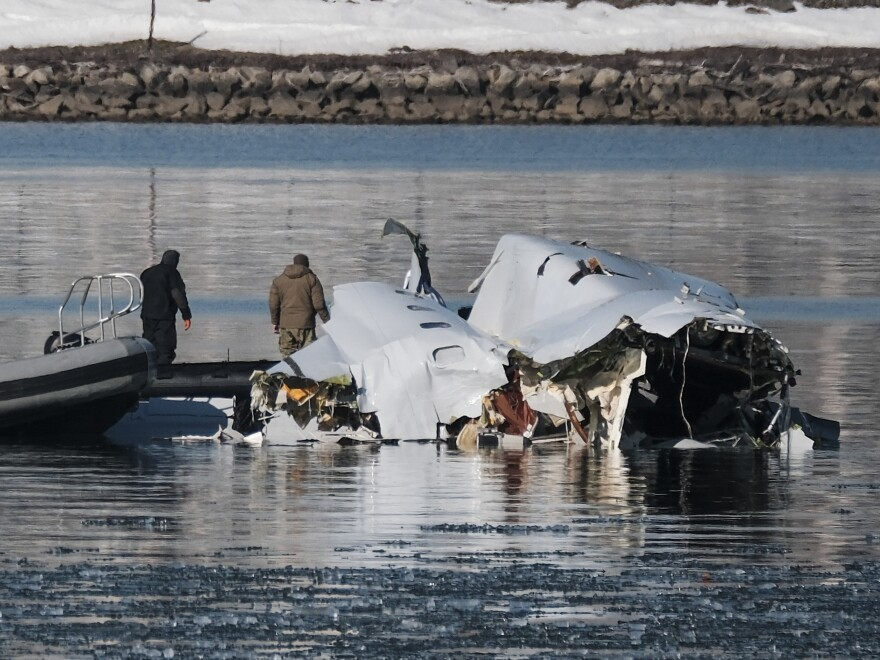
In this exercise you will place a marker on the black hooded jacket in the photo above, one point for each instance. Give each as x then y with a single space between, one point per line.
164 290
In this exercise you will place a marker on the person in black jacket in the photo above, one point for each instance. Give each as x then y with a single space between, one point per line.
164 295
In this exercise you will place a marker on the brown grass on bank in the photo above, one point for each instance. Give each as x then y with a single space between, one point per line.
132 54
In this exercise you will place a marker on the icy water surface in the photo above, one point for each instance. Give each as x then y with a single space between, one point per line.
417 550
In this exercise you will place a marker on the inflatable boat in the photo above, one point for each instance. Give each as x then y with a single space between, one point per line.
82 390
83 383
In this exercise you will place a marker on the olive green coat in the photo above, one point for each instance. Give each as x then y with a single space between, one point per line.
296 297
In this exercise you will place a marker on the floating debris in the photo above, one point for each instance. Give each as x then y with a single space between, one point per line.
497 529
130 522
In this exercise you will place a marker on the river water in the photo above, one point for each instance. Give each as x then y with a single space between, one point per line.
209 550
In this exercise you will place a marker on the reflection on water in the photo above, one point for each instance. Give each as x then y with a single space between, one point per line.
315 506
765 235
774 236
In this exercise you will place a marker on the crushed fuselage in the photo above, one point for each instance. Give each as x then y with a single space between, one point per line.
562 340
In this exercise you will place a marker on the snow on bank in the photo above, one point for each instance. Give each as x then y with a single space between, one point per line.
370 27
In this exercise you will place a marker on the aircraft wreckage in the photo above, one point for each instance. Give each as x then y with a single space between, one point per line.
563 341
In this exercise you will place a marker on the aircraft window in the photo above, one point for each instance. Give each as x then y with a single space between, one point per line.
419 308
435 324
446 356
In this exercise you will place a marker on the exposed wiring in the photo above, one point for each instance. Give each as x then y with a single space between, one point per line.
687 345
751 365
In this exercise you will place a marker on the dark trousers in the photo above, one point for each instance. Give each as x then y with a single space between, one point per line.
162 333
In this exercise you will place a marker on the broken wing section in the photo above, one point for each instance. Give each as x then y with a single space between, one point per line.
396 363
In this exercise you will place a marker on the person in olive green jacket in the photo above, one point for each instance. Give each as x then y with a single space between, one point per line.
295 298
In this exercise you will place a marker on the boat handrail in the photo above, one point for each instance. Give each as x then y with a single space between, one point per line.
105 293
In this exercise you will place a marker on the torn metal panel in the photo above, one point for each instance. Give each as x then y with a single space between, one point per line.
418 279
608 397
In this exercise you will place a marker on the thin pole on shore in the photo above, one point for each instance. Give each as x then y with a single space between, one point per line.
152 21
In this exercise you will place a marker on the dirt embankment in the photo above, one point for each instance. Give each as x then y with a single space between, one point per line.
132 54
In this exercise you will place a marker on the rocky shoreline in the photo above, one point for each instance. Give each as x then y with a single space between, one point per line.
178 83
